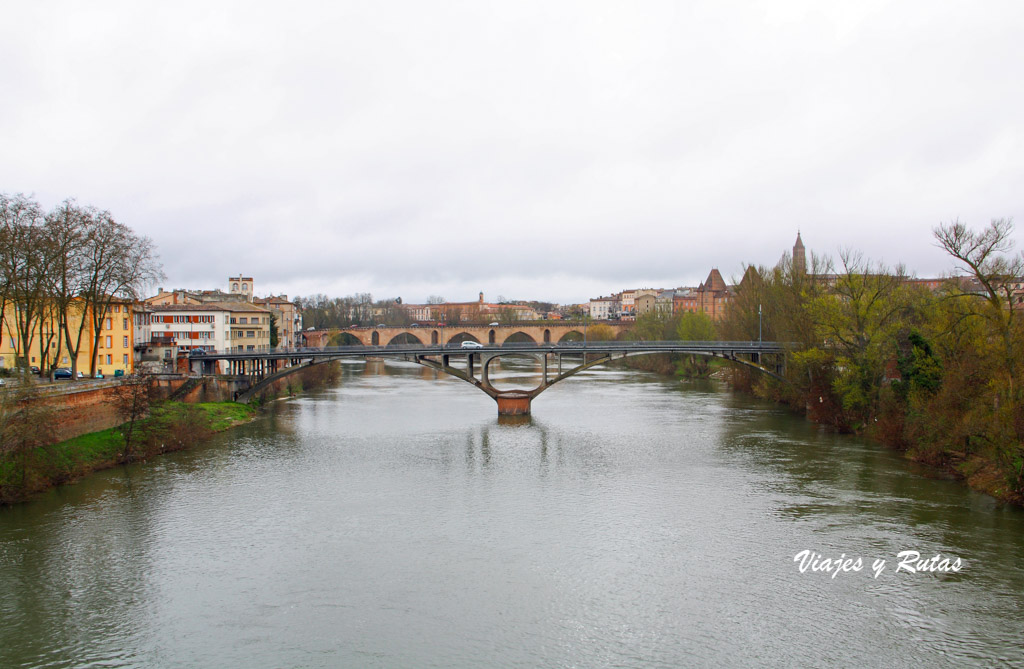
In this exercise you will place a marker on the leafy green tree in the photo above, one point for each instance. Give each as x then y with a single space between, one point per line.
274 335
696 326
600 332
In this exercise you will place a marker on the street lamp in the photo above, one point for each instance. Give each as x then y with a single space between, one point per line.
758 324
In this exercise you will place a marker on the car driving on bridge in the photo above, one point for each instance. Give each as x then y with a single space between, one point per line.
472 344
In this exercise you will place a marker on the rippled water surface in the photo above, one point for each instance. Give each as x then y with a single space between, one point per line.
393 521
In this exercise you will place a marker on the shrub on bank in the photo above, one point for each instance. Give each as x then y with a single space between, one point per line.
170 426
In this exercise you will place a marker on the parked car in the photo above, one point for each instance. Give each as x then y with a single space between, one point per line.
62 373
34 369
472 344
98 375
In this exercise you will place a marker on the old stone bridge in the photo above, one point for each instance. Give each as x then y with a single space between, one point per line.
543 333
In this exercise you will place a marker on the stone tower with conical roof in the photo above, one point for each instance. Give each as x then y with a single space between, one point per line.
799 256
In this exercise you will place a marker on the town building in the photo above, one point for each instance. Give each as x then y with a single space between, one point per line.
111 347
713 295
644 304
606 308
470 312
242 287
190 327
288 318
249 326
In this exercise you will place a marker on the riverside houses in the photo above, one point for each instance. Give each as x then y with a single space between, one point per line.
113 347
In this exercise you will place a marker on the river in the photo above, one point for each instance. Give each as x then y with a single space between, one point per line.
394 521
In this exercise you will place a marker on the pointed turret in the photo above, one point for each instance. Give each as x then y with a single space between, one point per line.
799 255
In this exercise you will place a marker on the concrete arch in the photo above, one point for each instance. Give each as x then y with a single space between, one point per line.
519 337
246 396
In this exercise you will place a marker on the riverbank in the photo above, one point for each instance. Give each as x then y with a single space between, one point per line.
166 427
172 426
975 470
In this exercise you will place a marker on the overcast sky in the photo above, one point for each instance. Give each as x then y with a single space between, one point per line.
534 150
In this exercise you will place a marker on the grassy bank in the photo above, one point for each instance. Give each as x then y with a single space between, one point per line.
170 426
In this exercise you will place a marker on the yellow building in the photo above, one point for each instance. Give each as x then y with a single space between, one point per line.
114 352
249 326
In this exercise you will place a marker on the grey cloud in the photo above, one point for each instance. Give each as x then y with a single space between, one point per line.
572 148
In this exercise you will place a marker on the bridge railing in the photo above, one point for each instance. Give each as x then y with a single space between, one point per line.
565 346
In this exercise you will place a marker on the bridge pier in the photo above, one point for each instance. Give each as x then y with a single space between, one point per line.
513 404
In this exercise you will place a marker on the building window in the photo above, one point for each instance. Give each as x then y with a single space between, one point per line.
106 324
250 348
124 323
234 287
109 344
125 344
117 308
109 358
125 359
250 333
243 320
245 287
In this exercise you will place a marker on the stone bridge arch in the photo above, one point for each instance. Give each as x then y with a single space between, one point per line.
541 332
405 339
518 337
345 339
461 337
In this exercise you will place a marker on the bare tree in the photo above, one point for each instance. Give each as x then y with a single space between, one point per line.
132 398
25 254
66 227
983 256
118 265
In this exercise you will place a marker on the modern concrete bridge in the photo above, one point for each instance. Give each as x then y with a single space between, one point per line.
558 361
545 332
